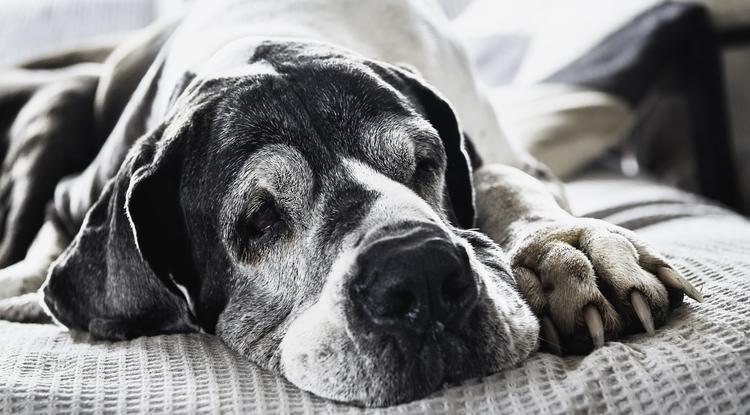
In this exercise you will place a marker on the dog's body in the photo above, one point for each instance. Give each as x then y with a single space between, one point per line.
414 33
286 175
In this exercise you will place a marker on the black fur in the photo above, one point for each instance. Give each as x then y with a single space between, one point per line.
158 220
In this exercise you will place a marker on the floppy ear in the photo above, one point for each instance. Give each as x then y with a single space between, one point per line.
117 279
459 201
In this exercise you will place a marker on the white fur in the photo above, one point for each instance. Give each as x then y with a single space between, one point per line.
413 32
396 201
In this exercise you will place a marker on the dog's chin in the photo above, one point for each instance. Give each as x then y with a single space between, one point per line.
379 373
321 353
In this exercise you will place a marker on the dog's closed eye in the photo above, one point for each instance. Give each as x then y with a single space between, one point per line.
428 173
262 220
257 228
426 168
430 159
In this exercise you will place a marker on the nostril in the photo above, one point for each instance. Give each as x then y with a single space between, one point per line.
454 289
413 283
389 303
400 303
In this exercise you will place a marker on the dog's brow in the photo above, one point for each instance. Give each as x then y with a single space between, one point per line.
390 130
280 169
426 142
395 141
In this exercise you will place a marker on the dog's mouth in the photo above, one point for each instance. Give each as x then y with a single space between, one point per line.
358 365
418 369
391 376
413 367
411 313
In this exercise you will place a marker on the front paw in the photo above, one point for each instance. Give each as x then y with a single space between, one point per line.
591 281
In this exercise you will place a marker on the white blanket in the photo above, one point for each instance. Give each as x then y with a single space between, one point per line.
698 363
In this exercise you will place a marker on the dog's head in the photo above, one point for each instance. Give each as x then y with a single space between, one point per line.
312 209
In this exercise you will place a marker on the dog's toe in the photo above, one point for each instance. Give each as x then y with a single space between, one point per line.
591 282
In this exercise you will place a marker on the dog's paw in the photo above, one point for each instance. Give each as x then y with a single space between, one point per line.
26 308
21 278
590 281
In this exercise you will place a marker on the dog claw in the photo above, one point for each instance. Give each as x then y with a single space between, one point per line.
550 336
643 311
672 278
594 323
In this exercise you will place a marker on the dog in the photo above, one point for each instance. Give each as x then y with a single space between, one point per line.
320 183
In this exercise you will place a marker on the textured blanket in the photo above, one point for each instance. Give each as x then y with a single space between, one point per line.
698 363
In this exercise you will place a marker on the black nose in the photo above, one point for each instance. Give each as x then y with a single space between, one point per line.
415 281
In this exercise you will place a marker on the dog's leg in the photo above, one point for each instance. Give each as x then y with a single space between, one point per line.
122 105
51 136
94 53
18 283
56 121
28 274
586 279
47 131
26 308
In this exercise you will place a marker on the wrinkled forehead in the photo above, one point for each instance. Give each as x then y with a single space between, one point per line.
344 195
388 145
324 114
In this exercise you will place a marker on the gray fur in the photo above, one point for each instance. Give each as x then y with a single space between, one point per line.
564 263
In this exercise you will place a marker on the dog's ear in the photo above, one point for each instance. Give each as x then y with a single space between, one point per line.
118 278
459 200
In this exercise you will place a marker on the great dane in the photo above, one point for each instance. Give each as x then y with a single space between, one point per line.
296 177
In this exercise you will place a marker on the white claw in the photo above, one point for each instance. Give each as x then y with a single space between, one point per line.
643 311
672 278
594 323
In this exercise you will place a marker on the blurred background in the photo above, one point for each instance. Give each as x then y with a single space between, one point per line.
643 87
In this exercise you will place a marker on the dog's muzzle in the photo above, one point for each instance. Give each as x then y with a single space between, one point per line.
413 282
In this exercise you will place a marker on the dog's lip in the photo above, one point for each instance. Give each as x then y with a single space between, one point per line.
420 372
445 381
439 339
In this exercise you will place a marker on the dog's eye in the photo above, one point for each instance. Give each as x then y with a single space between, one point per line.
426 167
262 220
